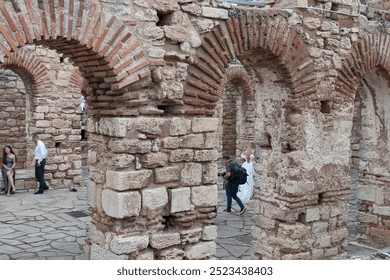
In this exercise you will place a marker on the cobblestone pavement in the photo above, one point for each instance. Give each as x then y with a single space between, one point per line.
48 226
52 226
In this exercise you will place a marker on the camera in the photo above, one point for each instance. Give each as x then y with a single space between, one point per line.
221 174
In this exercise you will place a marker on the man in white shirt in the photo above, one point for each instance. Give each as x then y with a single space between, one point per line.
40 162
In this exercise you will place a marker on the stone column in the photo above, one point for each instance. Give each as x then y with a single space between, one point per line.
153 191
302 206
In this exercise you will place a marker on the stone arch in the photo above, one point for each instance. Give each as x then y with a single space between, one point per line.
99 44
237 106
371 51
246 31
32 71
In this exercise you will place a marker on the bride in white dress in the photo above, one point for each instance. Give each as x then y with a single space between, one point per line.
245 191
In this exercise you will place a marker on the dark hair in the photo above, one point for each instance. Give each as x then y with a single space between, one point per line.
5 154
35 135
227 157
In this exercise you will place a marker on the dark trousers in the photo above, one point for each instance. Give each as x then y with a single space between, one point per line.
231 193
40 174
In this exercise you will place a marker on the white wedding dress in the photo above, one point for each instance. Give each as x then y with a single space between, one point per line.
245 191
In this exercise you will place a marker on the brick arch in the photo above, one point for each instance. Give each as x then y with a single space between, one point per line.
98 43
370 52
246 31
31 70
238 75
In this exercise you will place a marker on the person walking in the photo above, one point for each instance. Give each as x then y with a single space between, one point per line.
8 170
40 162
231 186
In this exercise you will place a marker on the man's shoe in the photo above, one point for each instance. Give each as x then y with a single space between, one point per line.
45 188
39 192
228 211
242 210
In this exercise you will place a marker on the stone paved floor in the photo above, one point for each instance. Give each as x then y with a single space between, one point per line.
234 231
40 227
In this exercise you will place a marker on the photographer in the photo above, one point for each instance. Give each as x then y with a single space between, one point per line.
231 186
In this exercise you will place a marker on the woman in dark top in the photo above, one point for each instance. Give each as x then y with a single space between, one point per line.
8 169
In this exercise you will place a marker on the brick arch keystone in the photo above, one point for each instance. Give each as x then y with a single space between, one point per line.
371 51
246 31
101 45
31 70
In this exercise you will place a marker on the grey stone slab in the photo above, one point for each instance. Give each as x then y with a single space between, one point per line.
55 235
26 228
23 256
5 231
41 243
29 213
13 235
236 251
33 240
9 250
68 247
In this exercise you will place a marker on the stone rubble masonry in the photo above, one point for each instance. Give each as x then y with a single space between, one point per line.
164 100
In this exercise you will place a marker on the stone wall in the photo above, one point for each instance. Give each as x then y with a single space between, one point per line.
13 107
158 73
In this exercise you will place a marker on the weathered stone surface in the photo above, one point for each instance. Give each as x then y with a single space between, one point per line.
210 171
167 174
121 205
128 180
204 125
99 253
126 245
154 200
206 155
214 13
164 240
181 155
171 142
179 126
191 174
201 250
176 34
209 233
133 146
147 125
113 126
180 200
312 214
193 9
166 6
204 196
154 160
194 141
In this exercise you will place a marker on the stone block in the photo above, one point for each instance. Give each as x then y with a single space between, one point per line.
193 9
166 6
180 200
201 250
204 125
167 174
319 227
154 200
171 142
381 233
209 233
95 235
191 174
192 235
210 171
116 127
194 141
172 253
121 204
99 253
147 125
164 240
126 245
147 254
212 141
204 196
338 235
366 218
91 193
312 214
179 126
154 160
122 160
324 241
367 193
381 210
181 155
131 146
294 231
128 180
214 13
175 33
206 155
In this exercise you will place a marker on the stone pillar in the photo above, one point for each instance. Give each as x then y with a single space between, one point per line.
302 206
153 192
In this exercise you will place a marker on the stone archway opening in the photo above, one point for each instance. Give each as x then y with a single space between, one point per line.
369 208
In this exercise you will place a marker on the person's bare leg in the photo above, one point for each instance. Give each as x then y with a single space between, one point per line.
11 181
